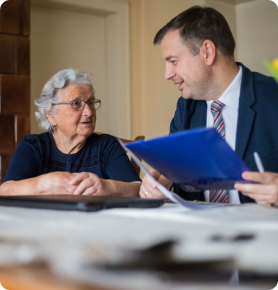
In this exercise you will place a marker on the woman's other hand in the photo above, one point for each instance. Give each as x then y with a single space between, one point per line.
264 192
87 183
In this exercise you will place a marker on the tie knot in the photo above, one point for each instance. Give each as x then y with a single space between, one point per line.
216 106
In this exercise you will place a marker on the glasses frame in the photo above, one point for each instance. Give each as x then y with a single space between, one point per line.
96 101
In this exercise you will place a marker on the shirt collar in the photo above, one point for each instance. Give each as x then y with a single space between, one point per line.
231 95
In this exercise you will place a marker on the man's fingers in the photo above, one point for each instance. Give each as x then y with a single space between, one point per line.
149 189
142 191
156 194
262 189
260 199
160 178
265 178
148 192
148 182
251 188
154 173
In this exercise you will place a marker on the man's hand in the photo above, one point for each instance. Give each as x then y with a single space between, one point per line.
264 192
90 184
148 188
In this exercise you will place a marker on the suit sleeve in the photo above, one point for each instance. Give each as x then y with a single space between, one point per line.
181 122
176 123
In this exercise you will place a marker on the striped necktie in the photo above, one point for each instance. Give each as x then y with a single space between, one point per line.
220 195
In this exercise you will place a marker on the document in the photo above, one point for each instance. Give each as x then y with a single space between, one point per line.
196 159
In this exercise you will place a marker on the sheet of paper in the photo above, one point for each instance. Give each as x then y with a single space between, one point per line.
168 194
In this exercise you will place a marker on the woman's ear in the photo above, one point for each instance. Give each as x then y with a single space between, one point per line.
51 118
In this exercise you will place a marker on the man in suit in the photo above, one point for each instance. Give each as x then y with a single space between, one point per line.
198 49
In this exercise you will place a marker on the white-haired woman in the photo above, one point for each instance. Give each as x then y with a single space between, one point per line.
69 158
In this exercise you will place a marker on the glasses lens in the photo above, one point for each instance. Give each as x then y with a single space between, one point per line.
97 104
77 105
94 104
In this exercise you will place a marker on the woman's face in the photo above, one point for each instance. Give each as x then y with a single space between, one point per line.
71 123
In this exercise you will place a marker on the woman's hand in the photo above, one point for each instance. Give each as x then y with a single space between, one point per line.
50 183
70 183
56 183
264 192
87 183
148 188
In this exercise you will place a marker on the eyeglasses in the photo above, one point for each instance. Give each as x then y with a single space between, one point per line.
79 105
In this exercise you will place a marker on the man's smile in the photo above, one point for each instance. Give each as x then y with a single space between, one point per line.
180 83
181 86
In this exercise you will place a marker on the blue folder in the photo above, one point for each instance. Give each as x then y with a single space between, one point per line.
198 158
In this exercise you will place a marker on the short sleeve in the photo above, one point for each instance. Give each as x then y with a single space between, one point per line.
24 164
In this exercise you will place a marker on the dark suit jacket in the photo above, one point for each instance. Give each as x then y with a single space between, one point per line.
257 128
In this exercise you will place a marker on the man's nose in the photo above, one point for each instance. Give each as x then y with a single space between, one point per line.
169 73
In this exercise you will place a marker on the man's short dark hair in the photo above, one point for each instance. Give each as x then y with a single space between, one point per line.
197 24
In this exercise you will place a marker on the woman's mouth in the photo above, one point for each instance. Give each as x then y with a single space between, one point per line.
86 123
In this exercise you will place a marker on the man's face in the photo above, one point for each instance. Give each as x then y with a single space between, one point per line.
187 71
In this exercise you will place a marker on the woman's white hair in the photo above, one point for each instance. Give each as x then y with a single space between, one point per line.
49 96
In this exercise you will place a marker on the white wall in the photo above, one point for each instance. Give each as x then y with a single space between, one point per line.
159 97
257 33
254 24
227 9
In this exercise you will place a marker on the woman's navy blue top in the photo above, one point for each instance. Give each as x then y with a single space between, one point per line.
101 155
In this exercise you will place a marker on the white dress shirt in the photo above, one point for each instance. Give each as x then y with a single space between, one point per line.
230 113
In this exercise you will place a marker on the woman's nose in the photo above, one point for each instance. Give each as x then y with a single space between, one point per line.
87 111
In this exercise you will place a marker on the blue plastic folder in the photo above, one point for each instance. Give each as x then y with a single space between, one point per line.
199 159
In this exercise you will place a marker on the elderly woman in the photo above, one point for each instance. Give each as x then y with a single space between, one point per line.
69 158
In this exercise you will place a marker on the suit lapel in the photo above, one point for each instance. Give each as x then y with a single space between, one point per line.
246 115
199 117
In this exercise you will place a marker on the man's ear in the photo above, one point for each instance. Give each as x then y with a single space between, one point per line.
208 50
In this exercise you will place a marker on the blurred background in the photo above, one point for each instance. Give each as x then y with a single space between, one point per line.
113 40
